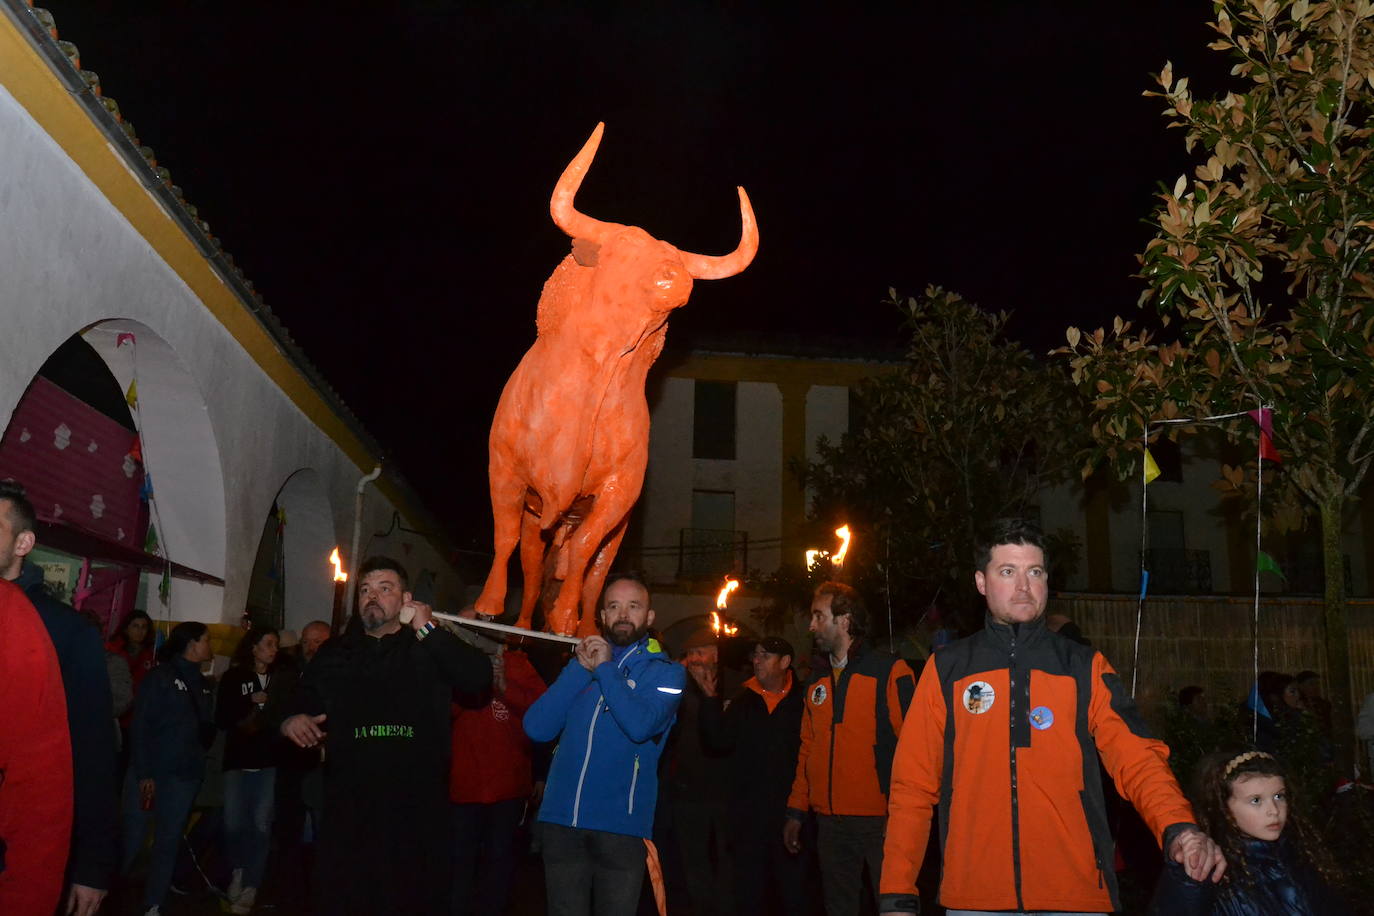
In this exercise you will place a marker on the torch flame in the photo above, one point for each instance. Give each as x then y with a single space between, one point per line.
843 534
721 627
724 597
812 556
339 574
715 623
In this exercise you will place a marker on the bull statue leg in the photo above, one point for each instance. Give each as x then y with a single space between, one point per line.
532 549
596 577
612 506
507 510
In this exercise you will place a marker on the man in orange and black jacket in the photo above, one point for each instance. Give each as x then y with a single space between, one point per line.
1004 735
853 714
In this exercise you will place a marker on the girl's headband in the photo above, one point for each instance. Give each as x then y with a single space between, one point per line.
1242 758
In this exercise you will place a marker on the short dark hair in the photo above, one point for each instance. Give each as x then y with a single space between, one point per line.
1021 531
378 563
1188 694
622 576
1306 677
21 509
845 600
182 635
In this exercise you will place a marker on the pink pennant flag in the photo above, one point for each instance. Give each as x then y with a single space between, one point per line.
124 338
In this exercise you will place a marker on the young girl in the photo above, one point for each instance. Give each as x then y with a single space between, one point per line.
1276 865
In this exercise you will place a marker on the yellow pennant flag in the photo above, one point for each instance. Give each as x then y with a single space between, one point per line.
1151 469
131 396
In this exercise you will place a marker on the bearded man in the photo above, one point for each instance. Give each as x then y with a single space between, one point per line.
377 700
610 710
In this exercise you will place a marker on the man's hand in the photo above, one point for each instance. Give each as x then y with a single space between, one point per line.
422 612
1198 854
706 677
592 651
259 697
84 901
791 835
304 730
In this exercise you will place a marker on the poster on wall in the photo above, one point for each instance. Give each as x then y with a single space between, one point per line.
58 579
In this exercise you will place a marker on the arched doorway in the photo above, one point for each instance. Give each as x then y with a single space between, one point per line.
112 442
293 581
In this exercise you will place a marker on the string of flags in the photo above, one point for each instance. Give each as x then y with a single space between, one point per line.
1263 417
152 543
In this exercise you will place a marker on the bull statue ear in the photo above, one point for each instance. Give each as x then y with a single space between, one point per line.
586 252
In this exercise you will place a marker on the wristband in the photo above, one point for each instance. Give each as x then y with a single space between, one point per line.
425 630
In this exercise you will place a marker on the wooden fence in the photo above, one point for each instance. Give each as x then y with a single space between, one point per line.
1208 641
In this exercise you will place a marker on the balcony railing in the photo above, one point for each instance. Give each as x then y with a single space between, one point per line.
709 553
1178 571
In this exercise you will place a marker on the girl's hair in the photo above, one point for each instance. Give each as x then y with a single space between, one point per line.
123 634
243 655
1213 779
182 635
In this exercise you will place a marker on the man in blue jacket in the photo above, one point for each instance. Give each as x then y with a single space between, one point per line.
90 710
611 710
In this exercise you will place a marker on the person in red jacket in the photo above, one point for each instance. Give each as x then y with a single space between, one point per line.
35 762
491 779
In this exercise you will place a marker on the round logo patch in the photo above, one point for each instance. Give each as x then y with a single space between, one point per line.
818 695
979 697
1041 717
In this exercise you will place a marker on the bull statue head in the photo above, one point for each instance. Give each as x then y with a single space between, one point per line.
569 441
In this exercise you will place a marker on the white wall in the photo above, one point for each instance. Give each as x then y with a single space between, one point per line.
69 260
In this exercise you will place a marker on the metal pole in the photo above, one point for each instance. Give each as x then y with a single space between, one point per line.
351 588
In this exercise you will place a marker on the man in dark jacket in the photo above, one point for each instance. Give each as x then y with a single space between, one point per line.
95 835
760 730
378 698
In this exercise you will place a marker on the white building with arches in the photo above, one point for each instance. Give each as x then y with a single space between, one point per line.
232 422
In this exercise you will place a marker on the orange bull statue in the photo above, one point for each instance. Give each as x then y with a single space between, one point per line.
570 439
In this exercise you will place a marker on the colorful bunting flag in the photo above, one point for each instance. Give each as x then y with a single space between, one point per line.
145 492
164 587
150 542
124 338
1266 563
136 450
131 396
1144 583
1151 469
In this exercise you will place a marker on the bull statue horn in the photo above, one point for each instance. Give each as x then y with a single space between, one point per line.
565 215
706 267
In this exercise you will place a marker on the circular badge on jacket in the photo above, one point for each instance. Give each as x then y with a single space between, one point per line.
818 695
979 697
1041 717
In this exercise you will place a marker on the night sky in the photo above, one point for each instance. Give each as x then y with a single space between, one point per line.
382 172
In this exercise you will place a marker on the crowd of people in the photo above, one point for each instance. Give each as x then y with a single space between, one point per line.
400 766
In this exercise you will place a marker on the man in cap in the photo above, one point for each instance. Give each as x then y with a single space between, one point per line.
760 729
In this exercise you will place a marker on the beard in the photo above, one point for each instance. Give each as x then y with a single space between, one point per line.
373 616
623 633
